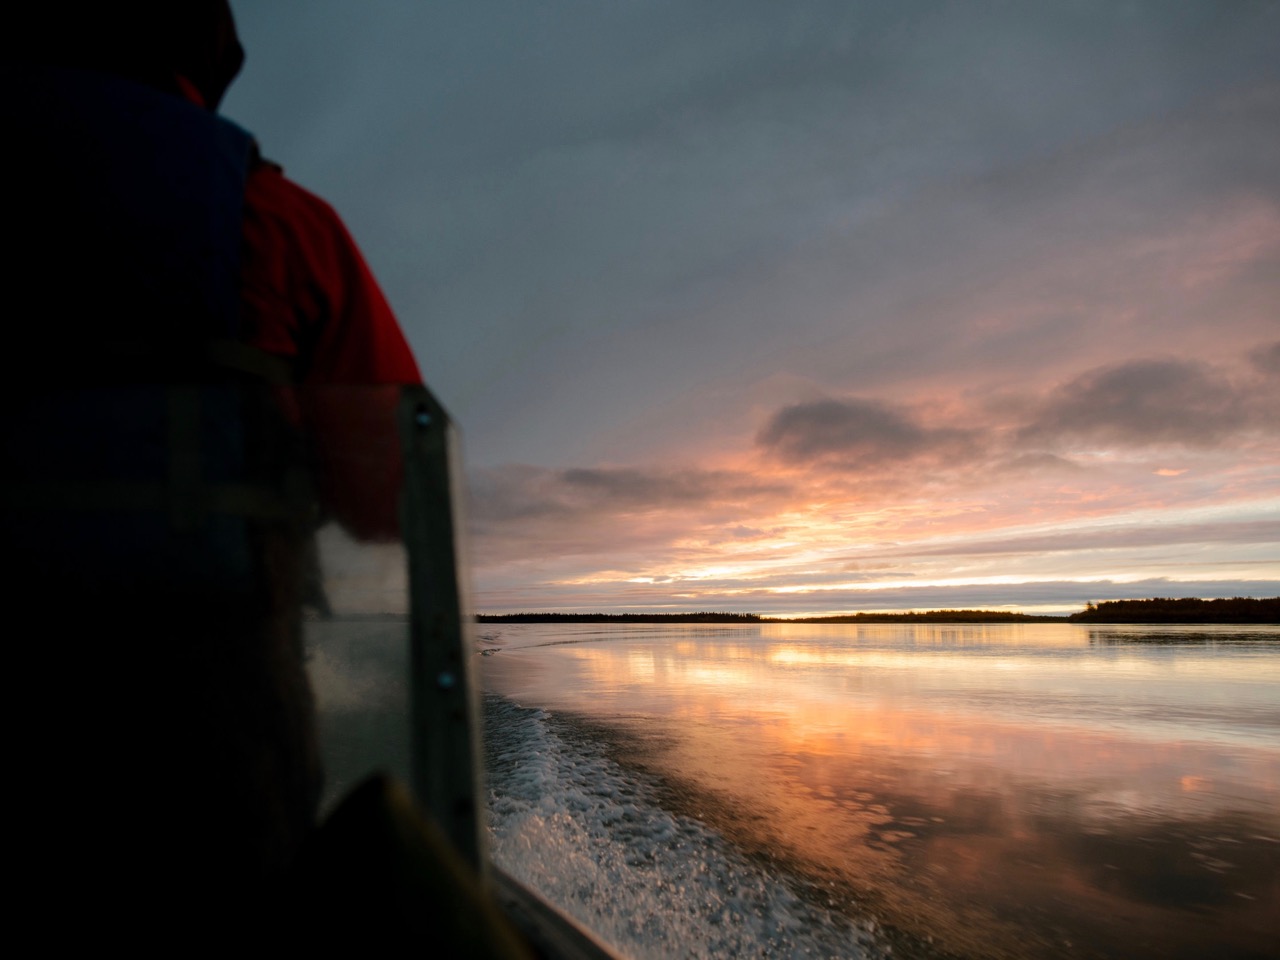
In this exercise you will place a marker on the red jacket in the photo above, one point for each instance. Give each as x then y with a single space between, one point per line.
308 295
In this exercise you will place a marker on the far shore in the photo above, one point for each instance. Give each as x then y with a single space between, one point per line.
1165 610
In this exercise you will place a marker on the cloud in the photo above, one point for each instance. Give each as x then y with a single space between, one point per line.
512 494
635 489
518 492
1136 408
635 518
1143 403
1093 538
854 430
1266 359
1027 463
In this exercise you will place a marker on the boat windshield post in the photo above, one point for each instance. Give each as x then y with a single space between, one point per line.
446 775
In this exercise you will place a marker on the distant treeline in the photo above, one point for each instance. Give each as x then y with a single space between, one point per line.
702 617
1181 610
1154 610
933 616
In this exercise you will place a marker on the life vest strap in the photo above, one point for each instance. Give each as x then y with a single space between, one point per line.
242 358
128 361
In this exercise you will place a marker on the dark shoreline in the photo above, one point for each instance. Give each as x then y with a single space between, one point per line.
1233 611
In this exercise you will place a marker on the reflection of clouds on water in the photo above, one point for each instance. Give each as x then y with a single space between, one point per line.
1175 634
980 857
1005 789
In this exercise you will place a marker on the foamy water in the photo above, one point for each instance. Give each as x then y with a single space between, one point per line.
595 840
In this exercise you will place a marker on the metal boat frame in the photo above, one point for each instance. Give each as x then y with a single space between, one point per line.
447 777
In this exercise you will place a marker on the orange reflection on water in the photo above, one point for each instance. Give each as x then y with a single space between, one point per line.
1011 802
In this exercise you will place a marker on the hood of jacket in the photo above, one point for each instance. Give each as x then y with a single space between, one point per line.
155 42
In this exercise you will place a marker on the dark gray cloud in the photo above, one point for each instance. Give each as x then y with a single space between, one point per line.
1135 407
1266 359
630 488
521 492
853 430
1143 403
512 494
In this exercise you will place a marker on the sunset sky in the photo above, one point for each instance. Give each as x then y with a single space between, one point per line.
818 307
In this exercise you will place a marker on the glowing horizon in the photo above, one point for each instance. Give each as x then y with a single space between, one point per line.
845 504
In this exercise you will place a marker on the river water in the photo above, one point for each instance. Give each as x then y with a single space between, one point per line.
1037 790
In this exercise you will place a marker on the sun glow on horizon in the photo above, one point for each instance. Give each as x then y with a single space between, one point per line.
934 523
1042 567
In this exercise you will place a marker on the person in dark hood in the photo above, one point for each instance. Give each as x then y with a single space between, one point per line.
163 44
174 771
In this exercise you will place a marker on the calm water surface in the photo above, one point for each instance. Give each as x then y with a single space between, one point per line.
967 790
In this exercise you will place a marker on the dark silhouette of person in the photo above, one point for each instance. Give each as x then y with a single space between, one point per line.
187 332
